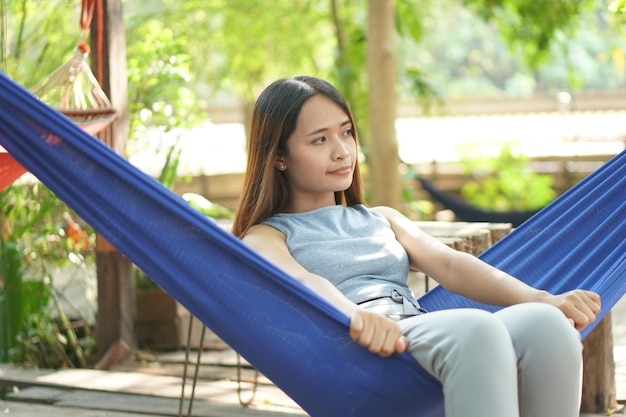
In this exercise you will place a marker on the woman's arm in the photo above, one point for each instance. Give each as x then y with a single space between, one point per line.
376 332
469 276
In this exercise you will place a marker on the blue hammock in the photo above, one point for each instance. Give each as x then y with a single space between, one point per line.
287 332
469 213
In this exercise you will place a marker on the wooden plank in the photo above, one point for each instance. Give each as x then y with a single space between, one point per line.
38 395
20 409
214 365
140 404
223 357
206 373
222 392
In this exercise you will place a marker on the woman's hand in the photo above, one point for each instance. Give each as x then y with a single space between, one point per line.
377 333
579 306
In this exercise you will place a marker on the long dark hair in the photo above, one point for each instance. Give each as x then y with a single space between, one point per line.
274 118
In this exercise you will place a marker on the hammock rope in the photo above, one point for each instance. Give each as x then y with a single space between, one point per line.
287 332
73 89
86 15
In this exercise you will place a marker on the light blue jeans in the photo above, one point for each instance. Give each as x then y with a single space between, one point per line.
524 360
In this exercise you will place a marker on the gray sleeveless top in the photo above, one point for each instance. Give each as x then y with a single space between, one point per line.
353 247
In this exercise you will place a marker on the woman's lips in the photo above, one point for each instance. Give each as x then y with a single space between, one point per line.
342 171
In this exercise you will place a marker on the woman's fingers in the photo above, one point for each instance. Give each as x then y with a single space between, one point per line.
377 333
402 344
580 306
356 325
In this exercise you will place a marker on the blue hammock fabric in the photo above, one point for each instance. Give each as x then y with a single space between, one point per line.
284 330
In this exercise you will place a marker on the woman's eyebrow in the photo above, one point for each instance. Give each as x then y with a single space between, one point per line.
316 131
323 129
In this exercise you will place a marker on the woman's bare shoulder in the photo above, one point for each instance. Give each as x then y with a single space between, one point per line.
260 234
388 212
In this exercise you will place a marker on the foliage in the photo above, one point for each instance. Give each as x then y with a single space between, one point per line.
42 226
143 281
49 342
19 212
38 37
224 57
618 8
504 182
40 344
37 229
532 25
206 207
169 172
288 38
474 59
159 73
187 56
414 208
12 309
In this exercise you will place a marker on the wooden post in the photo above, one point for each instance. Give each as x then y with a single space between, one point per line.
599 370
116 290
381 65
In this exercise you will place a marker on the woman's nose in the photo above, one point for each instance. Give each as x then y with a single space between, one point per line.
341 149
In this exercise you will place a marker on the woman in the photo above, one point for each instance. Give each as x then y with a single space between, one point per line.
302 209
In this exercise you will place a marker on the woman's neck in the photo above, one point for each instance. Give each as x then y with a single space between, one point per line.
301 204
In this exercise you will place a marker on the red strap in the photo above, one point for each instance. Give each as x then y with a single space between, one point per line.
86 14
10 169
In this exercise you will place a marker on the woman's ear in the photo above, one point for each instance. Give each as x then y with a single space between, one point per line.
279 163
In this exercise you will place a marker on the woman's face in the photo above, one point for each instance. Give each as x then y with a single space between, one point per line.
321 154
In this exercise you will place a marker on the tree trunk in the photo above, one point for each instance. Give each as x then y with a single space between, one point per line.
116 295
383 176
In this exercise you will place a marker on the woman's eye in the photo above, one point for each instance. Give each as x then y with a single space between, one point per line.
348 132
320 140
